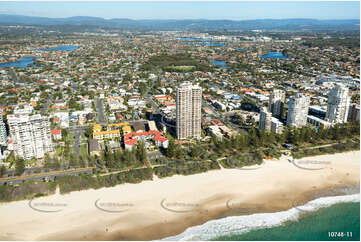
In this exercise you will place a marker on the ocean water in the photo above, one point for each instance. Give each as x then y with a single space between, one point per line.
342 217
311 221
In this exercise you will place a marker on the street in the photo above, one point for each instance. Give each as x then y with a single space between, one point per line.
46 105
76 144
100 109
13 75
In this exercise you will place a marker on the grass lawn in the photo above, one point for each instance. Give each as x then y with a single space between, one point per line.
180 68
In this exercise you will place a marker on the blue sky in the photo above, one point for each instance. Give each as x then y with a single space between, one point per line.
187 10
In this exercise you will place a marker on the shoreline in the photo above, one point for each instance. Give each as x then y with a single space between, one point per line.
238 225
166 207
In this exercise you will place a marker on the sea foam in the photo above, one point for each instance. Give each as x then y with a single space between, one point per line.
242 224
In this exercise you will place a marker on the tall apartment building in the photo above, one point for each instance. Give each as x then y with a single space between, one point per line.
298 110
269 123
188 111
31 135
3 139
276 103
265 119
276 126
338 104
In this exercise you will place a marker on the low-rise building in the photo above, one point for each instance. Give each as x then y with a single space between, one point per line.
131 139
56 133
315 121
152 126
23 110
139 126
97 128
126 129
109 134
215 131
94 148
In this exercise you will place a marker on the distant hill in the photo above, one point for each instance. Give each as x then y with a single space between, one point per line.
194 24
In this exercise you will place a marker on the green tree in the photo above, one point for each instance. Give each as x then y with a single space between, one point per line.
74 160
171 149
64 133
2 171
89 132
141 152
195 152
19 166
81 162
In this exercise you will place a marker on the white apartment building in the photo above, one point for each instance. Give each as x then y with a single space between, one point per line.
298 110
276 126
23 109
31 135
188 111
276 103
338 104
265 119
3 136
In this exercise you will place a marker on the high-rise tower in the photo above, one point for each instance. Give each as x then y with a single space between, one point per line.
298 110
276 103
31 135
188 114
3 139
338 104
265 119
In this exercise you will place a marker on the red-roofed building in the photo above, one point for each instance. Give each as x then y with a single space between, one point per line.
10 145
216 122
132 138
129 144
56 133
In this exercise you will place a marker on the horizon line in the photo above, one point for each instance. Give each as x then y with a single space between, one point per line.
139 19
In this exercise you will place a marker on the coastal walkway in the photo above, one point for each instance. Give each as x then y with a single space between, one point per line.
49 176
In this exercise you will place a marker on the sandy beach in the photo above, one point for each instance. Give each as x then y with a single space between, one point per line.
165 207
